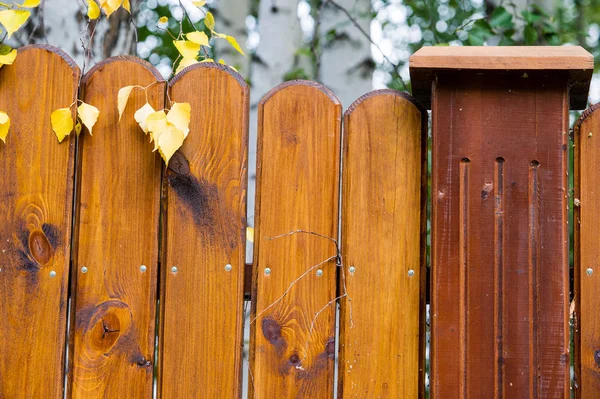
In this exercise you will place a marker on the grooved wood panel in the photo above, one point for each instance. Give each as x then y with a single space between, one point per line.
381 322
36 194
293 321
499 236
205 213
587 254
113 331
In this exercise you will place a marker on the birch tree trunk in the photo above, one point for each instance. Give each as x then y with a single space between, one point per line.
231 19
63 23
346 66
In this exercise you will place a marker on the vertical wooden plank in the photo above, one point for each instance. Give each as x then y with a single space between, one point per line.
205 213
36 194
382 228
117 226
293 336
587 253
499 236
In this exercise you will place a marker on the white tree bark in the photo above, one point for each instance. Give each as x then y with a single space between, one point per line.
346 66
231 19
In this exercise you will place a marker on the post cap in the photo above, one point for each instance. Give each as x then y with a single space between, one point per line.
429 61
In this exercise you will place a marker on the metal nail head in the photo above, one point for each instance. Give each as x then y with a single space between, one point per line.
589 271
143 268
411 273
319 273
174 269
267 271
228 267
84 269
52 273
352 269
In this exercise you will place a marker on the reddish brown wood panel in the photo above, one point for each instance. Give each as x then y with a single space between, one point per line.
205 239
293 322
587 254
384 266
113 331
36 194
499 236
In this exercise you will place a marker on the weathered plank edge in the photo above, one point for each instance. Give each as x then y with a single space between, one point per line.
257 206
424 272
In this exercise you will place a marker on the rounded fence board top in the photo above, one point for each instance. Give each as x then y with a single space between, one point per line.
429 61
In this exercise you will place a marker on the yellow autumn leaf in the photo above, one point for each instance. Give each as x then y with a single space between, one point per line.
184 63
110 6
122 99
209 21
142 114
93 10
156 123
62 123
163 21
88 115
199 3
179 116
235 44
208 60
13 20
31 3
78 128
250 234
186 48
127 6
219 35
169 142
8 59
199 38
4 125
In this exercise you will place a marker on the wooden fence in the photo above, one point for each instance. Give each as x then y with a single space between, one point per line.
107 255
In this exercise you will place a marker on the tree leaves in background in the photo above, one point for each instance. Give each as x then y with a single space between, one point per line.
479 33
501 18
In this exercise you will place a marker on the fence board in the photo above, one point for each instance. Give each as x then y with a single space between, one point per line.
381 328
297 181
202 320
36 189
587 253
117 233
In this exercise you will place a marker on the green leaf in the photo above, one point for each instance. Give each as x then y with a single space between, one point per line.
480 31
530 17
501 18
5 49
506 41
530 35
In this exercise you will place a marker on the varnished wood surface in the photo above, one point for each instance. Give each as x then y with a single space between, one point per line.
587 254
573 62
381 323
500 286
36 193
113 330
205 220
293 347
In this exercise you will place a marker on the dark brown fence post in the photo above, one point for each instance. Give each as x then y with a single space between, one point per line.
499 216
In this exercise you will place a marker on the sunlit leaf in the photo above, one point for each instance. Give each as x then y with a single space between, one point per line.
156 123
179 115
127 6
13 20
198 37
31 3
62 123
209 21
8 58
142 114
4 125
93 10
184 63
207 60
235 44
88 115
186 48
122 99
169 142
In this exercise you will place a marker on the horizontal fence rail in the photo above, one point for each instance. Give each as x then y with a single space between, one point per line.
121 276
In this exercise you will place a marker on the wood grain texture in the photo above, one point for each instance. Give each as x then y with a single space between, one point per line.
587 254
499 237
381 319
293 349
205 214
573 61
113 332
36 192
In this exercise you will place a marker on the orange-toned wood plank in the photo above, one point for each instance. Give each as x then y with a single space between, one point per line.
293 347
117 233
587 253
382 238
36 193
205 214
